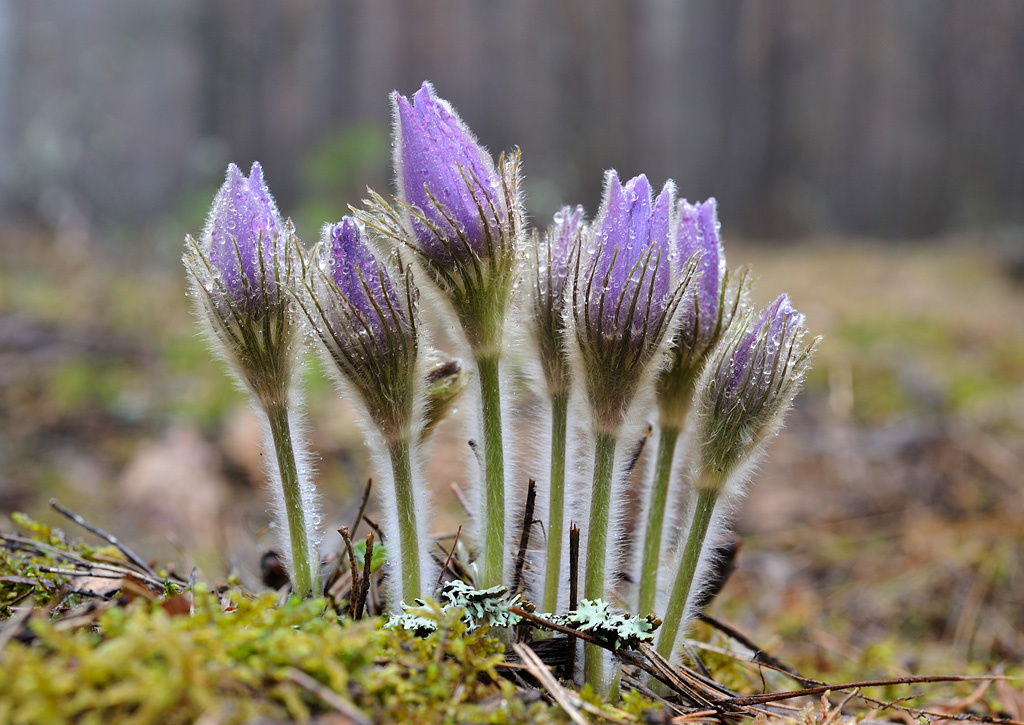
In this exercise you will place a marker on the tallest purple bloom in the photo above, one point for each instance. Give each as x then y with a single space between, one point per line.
460 214
458 211
446 178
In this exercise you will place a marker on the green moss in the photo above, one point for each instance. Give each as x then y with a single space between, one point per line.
238 658
231 656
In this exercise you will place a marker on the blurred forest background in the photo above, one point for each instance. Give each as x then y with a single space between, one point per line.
868 158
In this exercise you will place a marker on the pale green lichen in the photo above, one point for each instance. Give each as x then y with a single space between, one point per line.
618 630
475 607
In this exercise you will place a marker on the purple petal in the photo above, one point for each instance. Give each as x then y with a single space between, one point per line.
442 171
758 353
698 233
632 247
561 238
661 218
245 225
360 278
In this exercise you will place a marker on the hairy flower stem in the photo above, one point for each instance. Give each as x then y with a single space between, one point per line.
556 506
494 474
306 573
597 540
401 465
706 500
656 520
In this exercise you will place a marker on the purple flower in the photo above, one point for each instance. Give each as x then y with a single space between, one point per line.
367 324
759 357
240 267
244 236
448 179
625 295
705 315
630 276
747 387
698 233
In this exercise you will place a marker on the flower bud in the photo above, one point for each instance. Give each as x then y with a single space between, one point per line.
367 326
244 235
746 389
625 295
698 234
448 181
553 252
245 258
446 380
705 315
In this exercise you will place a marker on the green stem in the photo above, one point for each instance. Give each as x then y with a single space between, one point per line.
656 520
401 465
556 505
706 500
305 572
597 545
493 522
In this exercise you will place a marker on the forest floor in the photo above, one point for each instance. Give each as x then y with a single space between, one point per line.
882 537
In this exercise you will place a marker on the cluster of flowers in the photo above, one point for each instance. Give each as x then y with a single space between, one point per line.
635 305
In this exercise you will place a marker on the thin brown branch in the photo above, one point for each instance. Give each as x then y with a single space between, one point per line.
109 538
362 506
539 670
760 655
524 539
448 559
574 575
353 594
364 586
908 680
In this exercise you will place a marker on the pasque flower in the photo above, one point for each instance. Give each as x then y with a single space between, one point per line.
550 268
624 297
745 391
367 324
461 215
239 269
742 396
551 260
366 319
625 293
447 179
703 317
